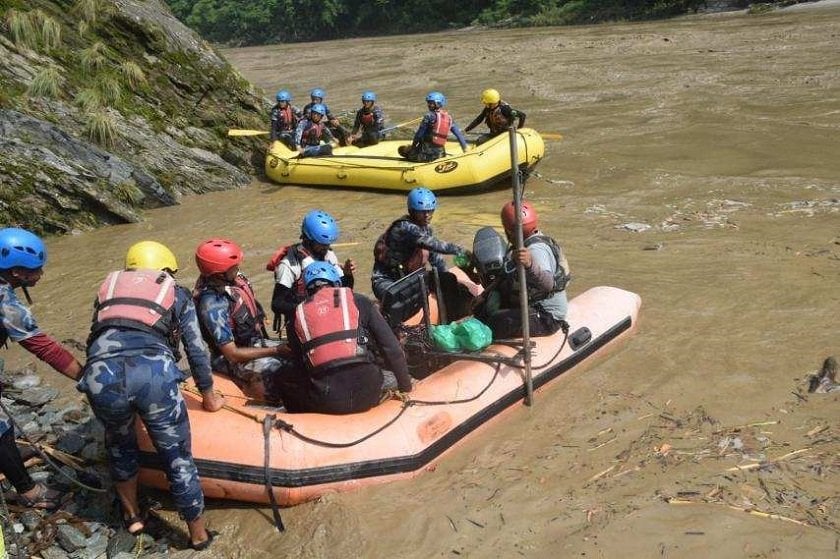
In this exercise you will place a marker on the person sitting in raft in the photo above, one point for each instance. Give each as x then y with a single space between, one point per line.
409 244
311 130
140 318
317 97
22 259
546 276
232 322
284 119
498 115
336 332
317 232
367 127
430 138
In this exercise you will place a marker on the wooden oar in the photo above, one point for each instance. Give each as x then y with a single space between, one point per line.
400 125
236 132
551 135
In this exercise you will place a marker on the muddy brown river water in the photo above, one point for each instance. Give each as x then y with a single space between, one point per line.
719 132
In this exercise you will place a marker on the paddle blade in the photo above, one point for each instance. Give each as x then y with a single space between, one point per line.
247 133
551 136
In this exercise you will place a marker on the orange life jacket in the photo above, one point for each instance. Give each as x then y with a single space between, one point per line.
497 121
312 134
327 324
440 131
287 118
139 299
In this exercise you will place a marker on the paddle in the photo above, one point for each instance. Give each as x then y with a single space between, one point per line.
551 135
235 132
520 269
400 125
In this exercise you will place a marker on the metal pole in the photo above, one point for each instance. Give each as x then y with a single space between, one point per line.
520 269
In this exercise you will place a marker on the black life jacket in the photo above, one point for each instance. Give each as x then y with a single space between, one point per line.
496 119
395 260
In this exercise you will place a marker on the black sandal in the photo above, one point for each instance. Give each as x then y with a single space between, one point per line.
201 546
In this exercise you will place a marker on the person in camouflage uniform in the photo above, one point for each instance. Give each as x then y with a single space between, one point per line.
132 370
22 257
232 322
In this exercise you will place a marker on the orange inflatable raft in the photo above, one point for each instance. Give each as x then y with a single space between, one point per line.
313 454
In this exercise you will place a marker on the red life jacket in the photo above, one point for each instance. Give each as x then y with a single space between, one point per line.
391 259
312 134
287 118
246 314
275 259
366 118
440 131
140 299
327 324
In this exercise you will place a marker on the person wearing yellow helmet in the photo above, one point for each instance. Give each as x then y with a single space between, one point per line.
498 115
141 317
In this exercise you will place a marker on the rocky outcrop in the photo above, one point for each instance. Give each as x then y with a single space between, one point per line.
111 111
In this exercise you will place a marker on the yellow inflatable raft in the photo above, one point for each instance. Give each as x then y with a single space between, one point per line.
380 167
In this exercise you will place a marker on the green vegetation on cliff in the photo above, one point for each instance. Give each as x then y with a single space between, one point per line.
266 21
107 108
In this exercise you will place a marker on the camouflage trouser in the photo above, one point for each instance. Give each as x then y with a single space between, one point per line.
265 374
121 388
5 423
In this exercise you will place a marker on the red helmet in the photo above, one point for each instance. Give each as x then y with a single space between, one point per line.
530 220
217 256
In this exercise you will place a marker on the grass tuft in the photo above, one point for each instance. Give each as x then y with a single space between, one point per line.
50 31
82 27
129 192
47 83
110 88
93 10
93 57
21 28
90 99
132 73
101 128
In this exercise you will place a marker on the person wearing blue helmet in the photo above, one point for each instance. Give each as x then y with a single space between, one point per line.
311 131
284 119
318 231
317 97
429 141
22 258
336 334
367 127
409 244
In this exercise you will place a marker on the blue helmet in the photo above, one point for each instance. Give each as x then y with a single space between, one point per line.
321 271
319 93
283 95
20 248
319 108
437 97
368 96
320 227
422 199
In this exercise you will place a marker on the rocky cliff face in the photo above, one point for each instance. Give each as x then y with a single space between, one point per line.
108 107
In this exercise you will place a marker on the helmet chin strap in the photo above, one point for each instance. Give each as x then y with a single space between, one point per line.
26 294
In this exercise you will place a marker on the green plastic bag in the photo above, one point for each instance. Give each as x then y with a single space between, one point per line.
443 336
473 335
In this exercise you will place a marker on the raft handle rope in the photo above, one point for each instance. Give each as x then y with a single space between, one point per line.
268 422
47 460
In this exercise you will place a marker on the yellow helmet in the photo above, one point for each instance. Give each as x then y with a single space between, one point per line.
490 97
150 255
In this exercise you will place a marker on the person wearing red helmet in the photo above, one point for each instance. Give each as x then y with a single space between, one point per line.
232 322
546 276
